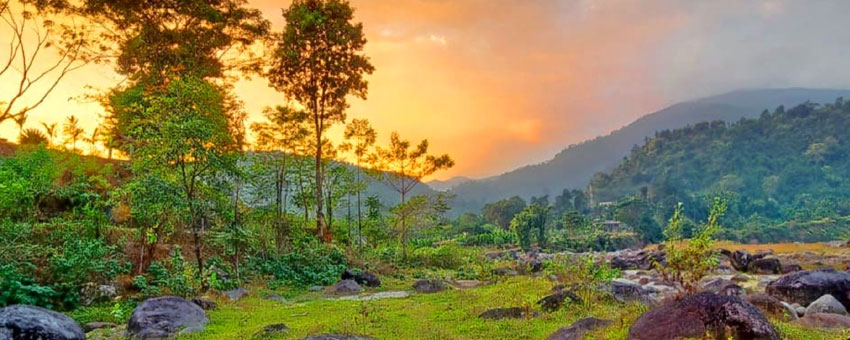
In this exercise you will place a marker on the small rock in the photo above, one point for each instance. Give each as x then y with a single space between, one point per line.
625 291
577 330
740 260
429 286
92 293
316 288
740 278
790 268
344 287
767 265
362 277
271 330
164 317
236 294
773 307
31 322
826 304
507 313
467 284
205 304
554 302
275 297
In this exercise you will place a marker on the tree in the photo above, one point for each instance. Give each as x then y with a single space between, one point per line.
50 130
688 261
92 140
360 138
32 137
187 135
72 131
415 214
503 211
403 168
532 218
284 129
32 33
318 63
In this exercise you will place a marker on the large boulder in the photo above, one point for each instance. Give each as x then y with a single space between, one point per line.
578 329
740 260
767 265
824 321
429 286
345 287
625 260
31 322
700 314
804 287
164 317
627 291
826 304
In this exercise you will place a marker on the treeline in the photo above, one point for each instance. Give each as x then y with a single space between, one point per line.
778 172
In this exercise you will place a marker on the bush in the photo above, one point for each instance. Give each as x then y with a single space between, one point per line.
492 236
449 256
178 278
309 263
689 261
24 180
20 288
582 270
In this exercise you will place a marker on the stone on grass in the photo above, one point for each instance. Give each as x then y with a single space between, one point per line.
824 321
236 294
429 286
164 317
507 313
274 297
578 329
204 303
826 304
271 330
804 287
554 302
345 287
31 322
362 278
694 316
92 293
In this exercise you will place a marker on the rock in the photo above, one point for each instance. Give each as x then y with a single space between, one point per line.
767 265
824 321
271 330
344 287
164 317
626 291
316 288
740 278
93 293
553 302
31 322
624 260
97 325
694 316
429 286
740 260
337 337
275 297
236 294
790 268
733 290
506 254
362 277
801 311
507 313
577 330
724 270
715 285
557 288
772 307
115 333
399 294
826 304
504 272
205 304
467 284
804 287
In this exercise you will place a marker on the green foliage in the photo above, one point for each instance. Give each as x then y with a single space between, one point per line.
25 180
491 235
784 166
581 270
175 277
532 218
688 261
81 261
307 263
17 287
448 256
503 211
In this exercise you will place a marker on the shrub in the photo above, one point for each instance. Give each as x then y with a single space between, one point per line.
448 256
24 180
689 261
310 263
581 270
19 288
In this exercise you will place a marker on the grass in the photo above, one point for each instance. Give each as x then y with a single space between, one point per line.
451 314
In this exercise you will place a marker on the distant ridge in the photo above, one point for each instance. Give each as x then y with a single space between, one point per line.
574 166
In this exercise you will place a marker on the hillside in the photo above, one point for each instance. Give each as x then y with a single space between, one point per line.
575 166
786 166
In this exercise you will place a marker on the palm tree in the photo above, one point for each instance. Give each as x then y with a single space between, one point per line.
72 131
32 137
51 132
92 141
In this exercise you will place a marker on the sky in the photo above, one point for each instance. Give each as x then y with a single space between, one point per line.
498 84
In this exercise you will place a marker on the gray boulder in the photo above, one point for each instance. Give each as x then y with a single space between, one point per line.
271 330
344 287
507 313
554 302
164 317
826 304
804 287
700 314
36 323
236 294
93 293
767 265
626 291
429 286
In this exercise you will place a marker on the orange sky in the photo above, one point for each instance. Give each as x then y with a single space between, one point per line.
498 84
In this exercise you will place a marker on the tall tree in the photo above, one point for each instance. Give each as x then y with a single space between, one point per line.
50 131
318 62
284 129
403 167
360 138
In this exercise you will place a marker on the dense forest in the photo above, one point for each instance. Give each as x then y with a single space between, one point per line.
783 174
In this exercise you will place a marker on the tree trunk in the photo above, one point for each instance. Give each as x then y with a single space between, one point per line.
359 217
321 226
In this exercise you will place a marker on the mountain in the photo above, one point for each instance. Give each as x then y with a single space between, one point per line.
573 167
786 166
447 185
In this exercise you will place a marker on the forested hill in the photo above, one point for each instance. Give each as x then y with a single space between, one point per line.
788 165
574 166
